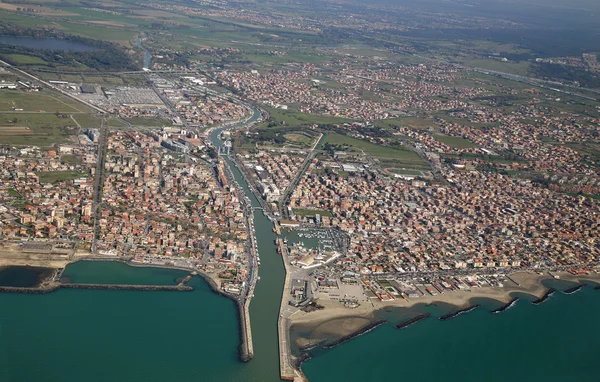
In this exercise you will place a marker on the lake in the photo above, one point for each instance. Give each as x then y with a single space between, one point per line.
46 43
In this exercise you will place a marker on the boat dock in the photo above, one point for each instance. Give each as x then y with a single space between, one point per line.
286 370
276 228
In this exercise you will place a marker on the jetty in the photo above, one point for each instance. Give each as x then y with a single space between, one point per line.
412 321
55 286
286 371
546 296
459 312
574 289
187 278
505 306
247 347
358 333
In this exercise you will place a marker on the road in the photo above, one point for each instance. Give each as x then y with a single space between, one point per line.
99 181
55 88
283 212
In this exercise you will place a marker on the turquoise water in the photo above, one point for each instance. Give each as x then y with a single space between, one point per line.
23 276
100 335
109 272
554 341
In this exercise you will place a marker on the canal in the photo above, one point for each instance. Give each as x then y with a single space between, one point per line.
264 308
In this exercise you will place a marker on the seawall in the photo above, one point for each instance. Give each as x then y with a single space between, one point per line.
287 369
52 287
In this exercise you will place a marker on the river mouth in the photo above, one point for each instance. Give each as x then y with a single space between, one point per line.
24 276
46 43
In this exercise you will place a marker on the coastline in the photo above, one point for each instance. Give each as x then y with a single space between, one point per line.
338 322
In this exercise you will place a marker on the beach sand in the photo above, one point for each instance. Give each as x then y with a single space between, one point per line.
335 320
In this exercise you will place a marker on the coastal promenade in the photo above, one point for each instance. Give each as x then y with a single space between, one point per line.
286 369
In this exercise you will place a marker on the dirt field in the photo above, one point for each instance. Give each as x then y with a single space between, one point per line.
13 254
37 10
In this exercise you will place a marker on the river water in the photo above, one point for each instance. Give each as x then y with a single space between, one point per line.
147 55
264 308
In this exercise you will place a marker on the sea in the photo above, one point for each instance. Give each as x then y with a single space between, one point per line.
102 335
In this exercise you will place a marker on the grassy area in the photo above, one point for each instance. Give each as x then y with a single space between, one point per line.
412 122
88 121
296 119
141 121
113 122
405 172
586 149
299 138
59 176
310 212
356 145
42 130
36 102
70 159
455 142
22 59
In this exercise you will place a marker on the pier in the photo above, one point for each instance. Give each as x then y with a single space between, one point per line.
286 370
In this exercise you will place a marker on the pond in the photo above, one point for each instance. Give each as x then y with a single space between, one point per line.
46 43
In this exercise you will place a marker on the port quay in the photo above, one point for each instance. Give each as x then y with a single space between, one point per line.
260 225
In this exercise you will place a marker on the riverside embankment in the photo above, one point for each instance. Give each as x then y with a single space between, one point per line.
265 306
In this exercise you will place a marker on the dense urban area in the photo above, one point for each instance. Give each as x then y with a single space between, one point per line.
389 170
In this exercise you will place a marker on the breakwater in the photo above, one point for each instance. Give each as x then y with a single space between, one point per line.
53 287
300 360
412 321
574 289
509 304
459 312
362 331
546 296
312 345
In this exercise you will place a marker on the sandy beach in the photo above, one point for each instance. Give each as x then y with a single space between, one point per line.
335 320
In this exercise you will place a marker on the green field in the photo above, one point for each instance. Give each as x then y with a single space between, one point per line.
299 138
405 172
44 129
412 122
70 159
37 102
304 212
296 119
88 121
141 121
59 176
455 142
404 156
22 59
